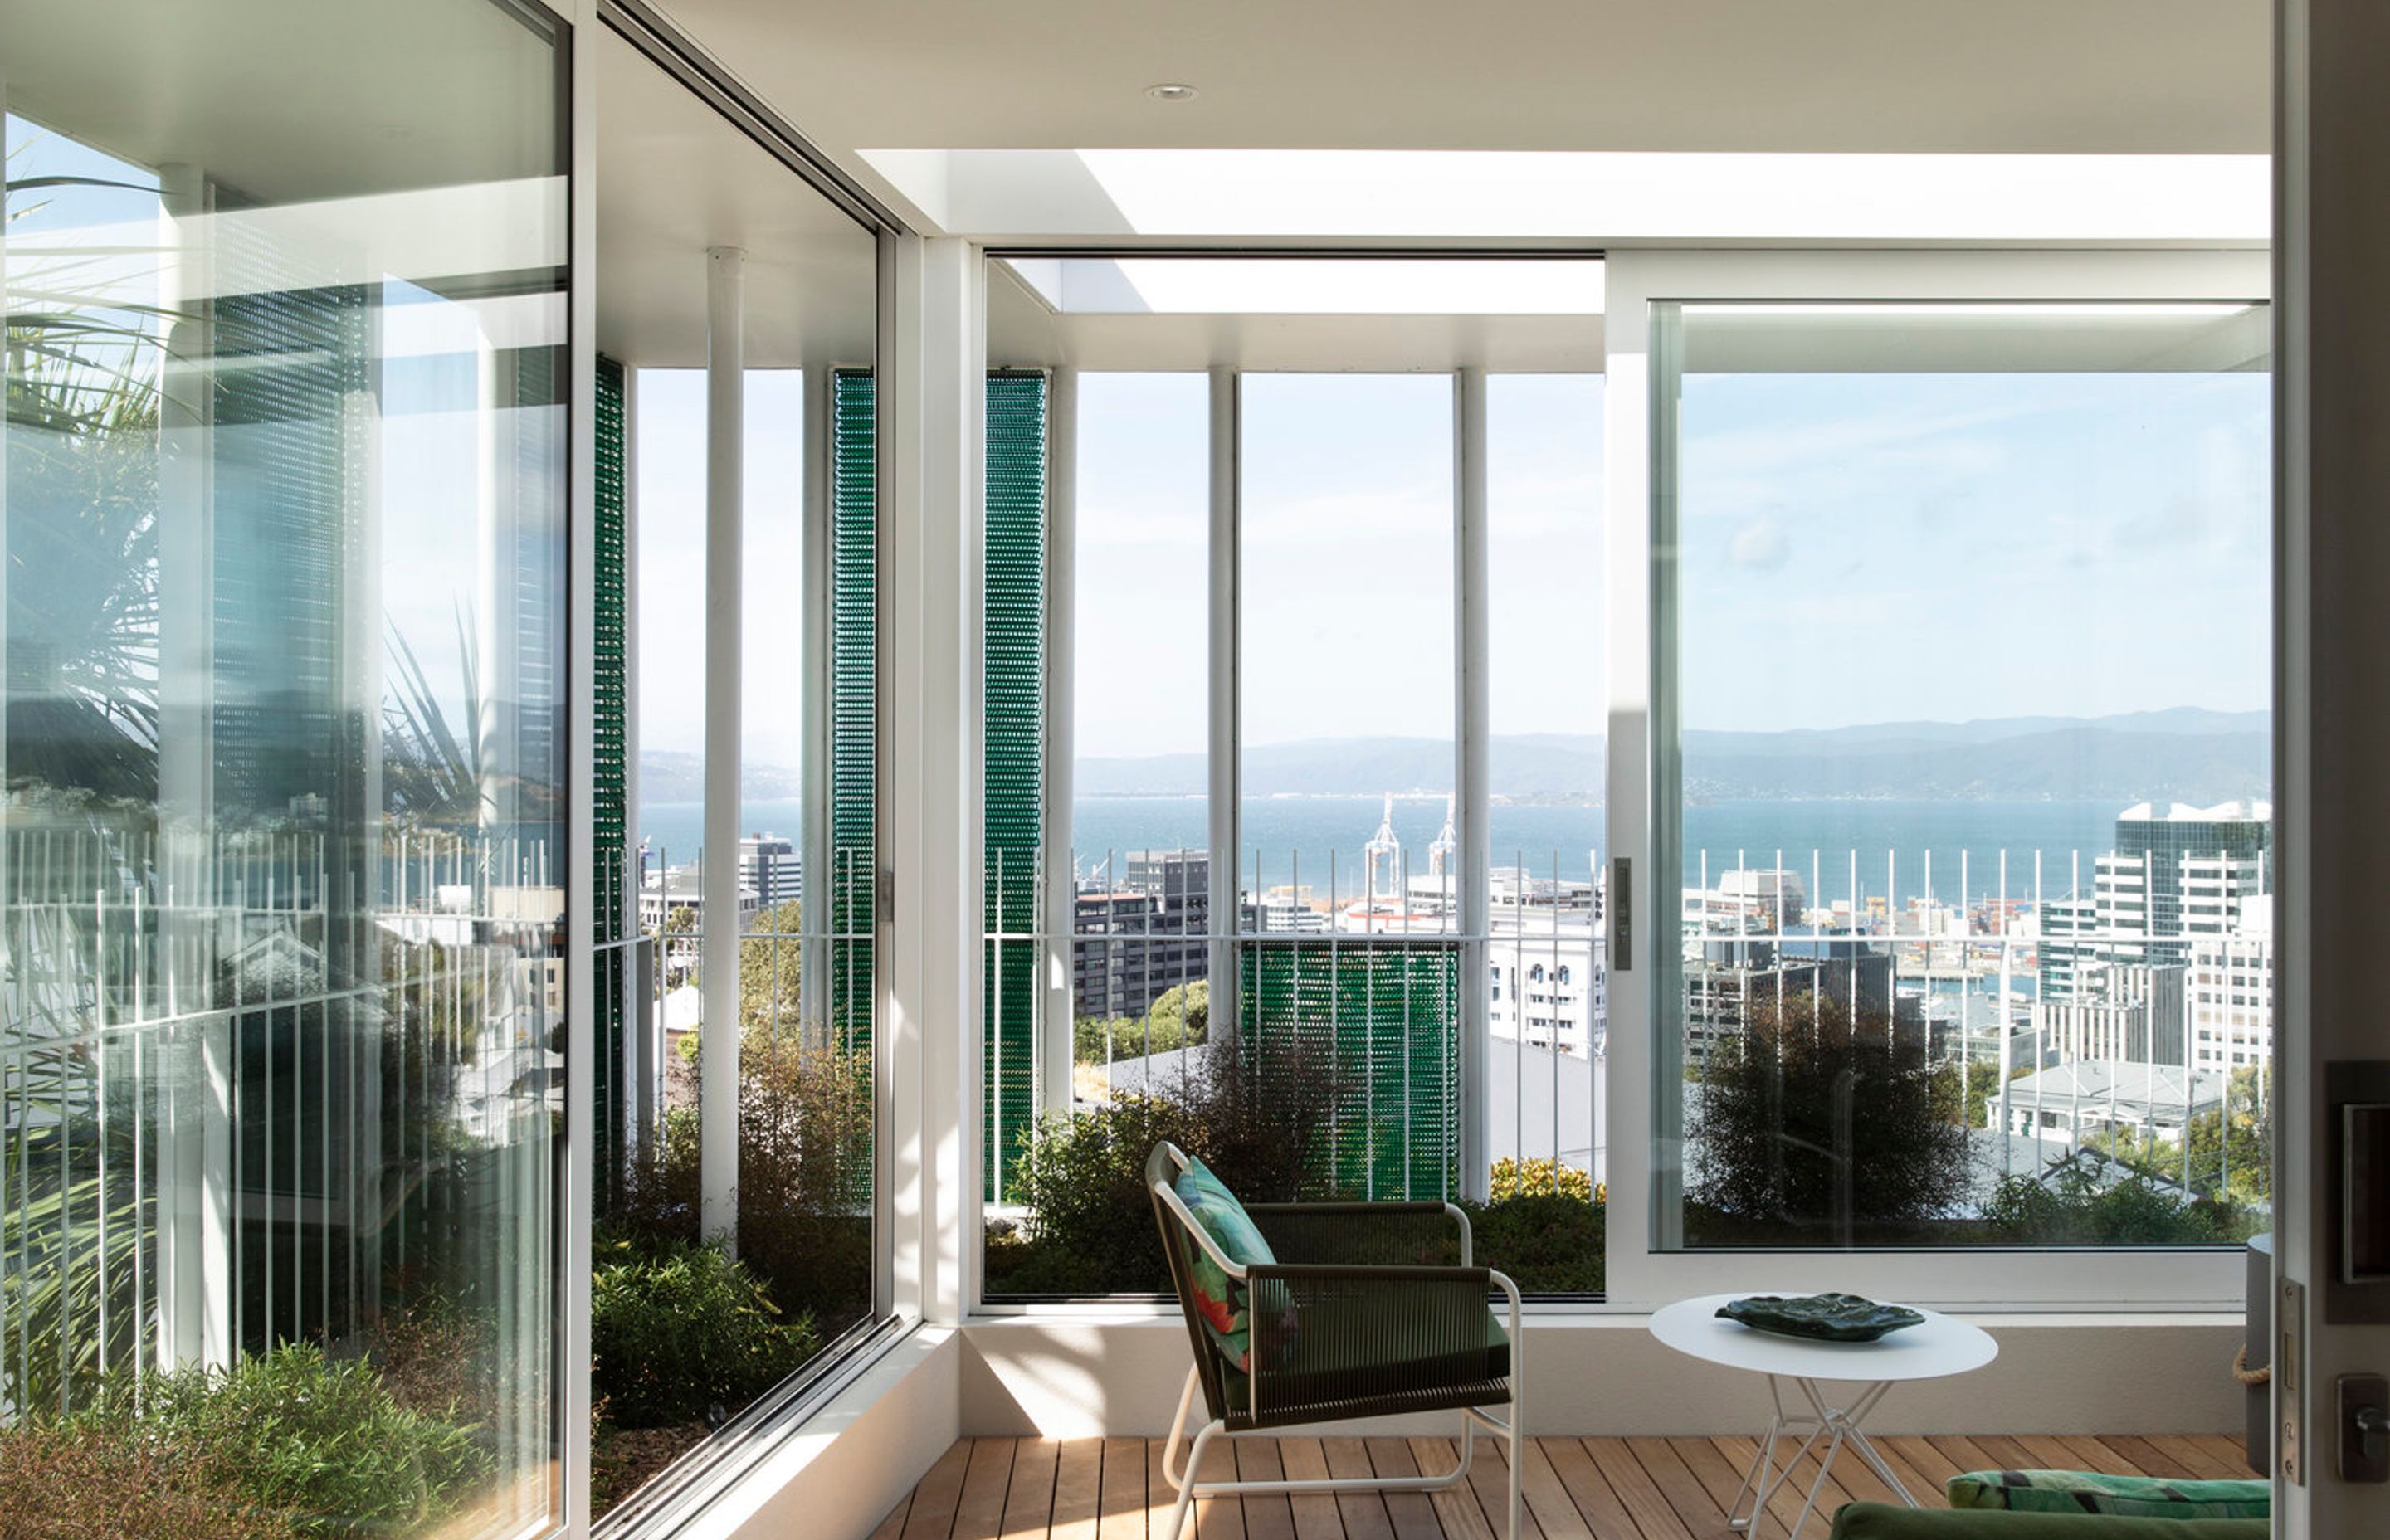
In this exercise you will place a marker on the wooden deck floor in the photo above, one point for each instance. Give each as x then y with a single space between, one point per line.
1577 1489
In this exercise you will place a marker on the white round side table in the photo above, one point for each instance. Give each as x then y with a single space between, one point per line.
1940 1346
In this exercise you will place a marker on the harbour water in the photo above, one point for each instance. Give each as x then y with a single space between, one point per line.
1952 851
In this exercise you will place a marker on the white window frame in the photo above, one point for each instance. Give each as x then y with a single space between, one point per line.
1639 1275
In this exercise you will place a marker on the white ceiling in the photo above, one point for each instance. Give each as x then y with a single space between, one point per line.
674 178
287 101
1024 329
1886 76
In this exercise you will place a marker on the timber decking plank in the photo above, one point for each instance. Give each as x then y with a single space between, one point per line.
933 1517
1635 1490
1548 1497
987 1481
1316 1515
1701 1514
1641 1488
1219 1517
1363 1513
1268 1515
1029 1499
1793 1490
893 1526
1078 1488
1122 1513
1720 1477
1412 1513
2144 1457
1456 1506
1590 1489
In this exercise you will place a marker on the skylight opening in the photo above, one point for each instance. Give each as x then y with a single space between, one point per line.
1313 286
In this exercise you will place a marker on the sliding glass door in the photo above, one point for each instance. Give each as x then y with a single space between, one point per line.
283 875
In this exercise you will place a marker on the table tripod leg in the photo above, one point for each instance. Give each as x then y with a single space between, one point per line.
1809 1504
1763 1468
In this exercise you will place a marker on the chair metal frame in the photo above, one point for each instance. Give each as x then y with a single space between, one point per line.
1182 1477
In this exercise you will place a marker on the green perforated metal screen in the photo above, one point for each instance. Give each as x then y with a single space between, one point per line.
854 703
1013 747
1380 1019
610 821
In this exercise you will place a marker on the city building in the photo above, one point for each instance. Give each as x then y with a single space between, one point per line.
2231 989
2084 1097
1135 941
2118 1010
770 867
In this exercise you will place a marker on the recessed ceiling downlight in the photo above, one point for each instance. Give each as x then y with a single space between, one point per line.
1171 91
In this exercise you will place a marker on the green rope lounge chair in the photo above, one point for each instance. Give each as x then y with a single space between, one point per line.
1308 1313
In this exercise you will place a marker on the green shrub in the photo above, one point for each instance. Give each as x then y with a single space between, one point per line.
1261 1127
74 1481
2088 1199
1548 1244
1179 1018
1813 1124
316 1441
676 1329
1091 1221
1510 1179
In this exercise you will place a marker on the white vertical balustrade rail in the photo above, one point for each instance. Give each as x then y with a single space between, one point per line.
725 405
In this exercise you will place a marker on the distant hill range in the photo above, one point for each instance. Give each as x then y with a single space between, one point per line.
2184 754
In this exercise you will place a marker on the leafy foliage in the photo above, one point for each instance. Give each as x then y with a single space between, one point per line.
78 1482
1548 1244
677 1330
1179 1018
1510 1179
318 1442
1260 1122
1815 1119
2085 1198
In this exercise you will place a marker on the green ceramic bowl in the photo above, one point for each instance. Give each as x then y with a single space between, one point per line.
1822 1317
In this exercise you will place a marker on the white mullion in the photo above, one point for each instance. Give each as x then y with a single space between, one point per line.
1059 870
1472 727
1629 1083
1225 612
571 1379
719 936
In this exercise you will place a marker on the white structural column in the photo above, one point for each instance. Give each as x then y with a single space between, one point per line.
932 421
1060 874
813 710
195 1146
1470 731
726 405
2333 667
1227 493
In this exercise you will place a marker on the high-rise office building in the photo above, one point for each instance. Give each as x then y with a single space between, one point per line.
770 867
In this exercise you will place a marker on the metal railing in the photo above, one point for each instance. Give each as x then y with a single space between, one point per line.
244 1075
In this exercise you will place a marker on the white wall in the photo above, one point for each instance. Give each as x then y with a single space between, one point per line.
1080 1376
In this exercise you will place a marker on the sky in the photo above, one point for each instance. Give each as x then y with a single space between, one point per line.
1855 549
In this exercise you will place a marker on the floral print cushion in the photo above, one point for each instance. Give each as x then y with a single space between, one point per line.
1220 1300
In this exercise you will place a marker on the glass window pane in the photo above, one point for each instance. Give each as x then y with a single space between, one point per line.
1346 856
282 882
1547 954
1967 682
743 1201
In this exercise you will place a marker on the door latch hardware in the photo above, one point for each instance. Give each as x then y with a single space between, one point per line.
2363 1402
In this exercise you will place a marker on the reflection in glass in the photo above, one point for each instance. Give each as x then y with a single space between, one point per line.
1965 674
282 884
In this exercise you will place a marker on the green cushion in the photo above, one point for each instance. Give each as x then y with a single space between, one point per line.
1220 1300
2127 1496
1888 1521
